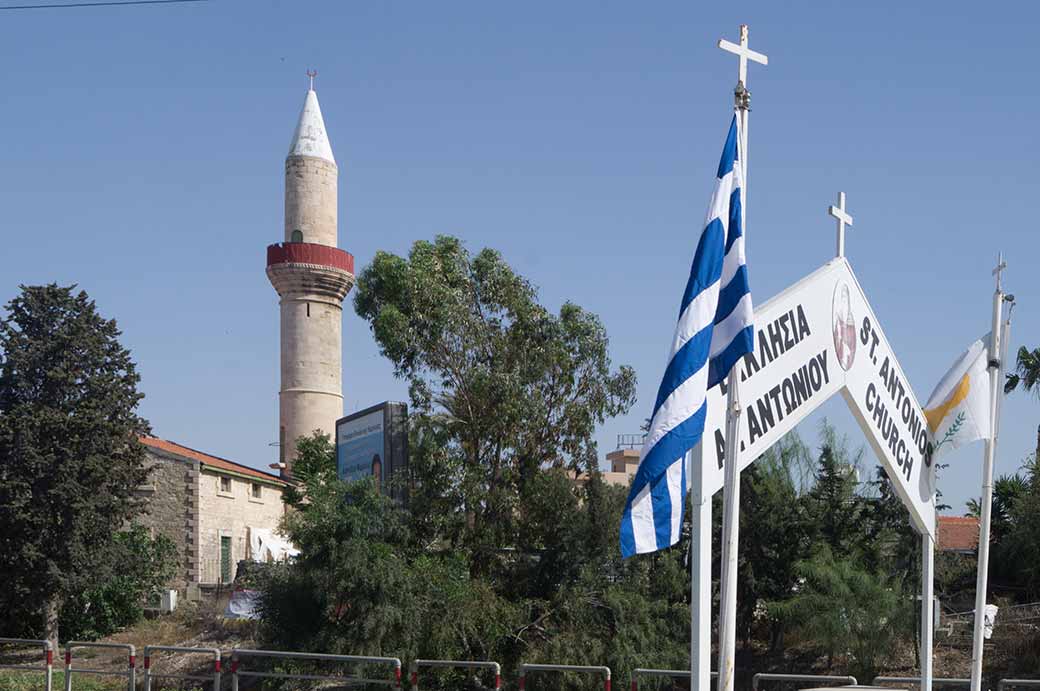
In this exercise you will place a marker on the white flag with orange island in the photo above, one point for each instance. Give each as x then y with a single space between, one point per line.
958 411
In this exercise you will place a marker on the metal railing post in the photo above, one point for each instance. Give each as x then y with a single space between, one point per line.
49 653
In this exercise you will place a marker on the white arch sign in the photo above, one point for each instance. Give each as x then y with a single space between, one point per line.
815 339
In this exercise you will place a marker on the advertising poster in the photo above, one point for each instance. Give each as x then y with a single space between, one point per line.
374 443
360 448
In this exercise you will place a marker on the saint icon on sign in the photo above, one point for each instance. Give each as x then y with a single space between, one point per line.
844 325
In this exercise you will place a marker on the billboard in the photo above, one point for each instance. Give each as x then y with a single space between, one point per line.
374 443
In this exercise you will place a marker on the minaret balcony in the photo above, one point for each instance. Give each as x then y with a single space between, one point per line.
310 253
307 268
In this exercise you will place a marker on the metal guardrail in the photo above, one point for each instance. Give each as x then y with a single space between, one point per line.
582 669
149 674
936 681
630 441
131 668
671 673
237 654
455 664
1012 683
48 657
841 679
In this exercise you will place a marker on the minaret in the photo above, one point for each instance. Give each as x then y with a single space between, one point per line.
312 276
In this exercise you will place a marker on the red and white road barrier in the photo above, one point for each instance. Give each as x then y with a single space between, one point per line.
237 655
48 657
936 681
149 673
670 673
581 669
455 664
843 679
131 667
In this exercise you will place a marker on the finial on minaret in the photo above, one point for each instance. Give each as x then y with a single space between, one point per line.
312 74
844 219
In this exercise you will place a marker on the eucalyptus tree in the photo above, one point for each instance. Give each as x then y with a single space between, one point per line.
501 387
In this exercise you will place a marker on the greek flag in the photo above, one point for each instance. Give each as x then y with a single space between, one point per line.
715 330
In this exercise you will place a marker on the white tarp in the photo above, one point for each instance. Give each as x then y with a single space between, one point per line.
989 621
266 545
243 605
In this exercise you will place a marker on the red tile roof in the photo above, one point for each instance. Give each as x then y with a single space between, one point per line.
958 533
207 460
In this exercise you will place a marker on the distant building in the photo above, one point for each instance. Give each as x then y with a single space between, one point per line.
213 509
957 534
623 465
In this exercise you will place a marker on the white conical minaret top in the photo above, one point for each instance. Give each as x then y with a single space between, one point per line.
310 138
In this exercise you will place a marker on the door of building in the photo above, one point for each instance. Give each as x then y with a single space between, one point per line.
225 558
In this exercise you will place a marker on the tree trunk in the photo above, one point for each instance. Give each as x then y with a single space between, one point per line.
51 612
1037 459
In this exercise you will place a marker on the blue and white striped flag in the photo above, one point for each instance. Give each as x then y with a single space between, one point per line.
715 330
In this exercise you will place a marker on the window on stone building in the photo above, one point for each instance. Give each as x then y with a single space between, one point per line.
225 484
257 490
297 236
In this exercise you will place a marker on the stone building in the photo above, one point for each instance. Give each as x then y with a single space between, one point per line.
312 276
210 507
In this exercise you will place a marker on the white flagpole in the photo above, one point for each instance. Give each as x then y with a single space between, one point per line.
996 379
731 486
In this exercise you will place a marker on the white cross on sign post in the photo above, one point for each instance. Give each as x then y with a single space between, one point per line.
744 53
843 220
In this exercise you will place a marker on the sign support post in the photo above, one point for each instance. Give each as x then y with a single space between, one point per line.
731 486
927 605
700 579
997 352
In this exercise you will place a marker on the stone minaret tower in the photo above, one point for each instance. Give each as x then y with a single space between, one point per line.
312 276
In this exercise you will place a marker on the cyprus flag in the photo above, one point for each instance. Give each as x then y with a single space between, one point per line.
958 411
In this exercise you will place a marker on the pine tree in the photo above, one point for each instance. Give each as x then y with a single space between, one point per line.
69 451
836 511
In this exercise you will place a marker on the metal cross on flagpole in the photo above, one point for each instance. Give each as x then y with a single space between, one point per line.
998 270
844 219
731 486
744 53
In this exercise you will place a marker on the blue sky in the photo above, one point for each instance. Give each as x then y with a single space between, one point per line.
143 154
